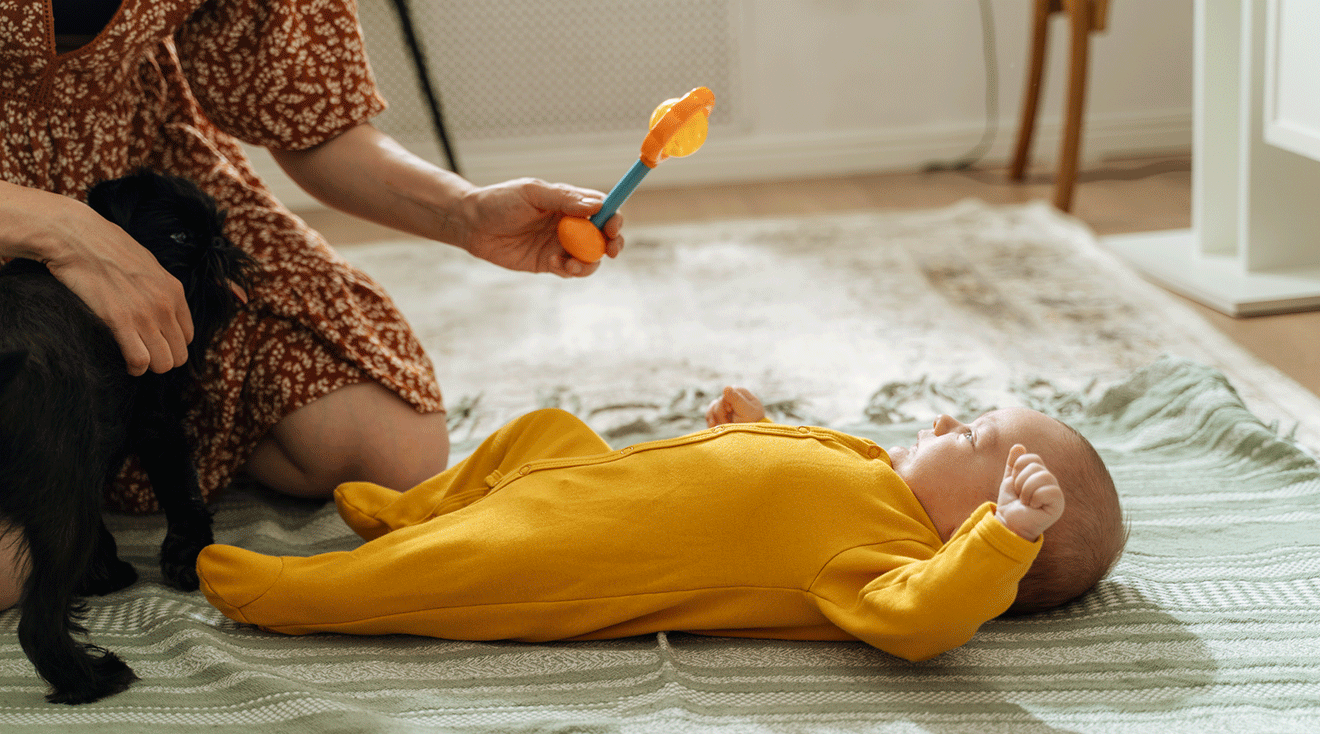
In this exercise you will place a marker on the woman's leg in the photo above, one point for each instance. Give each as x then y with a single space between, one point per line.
13 564
362 432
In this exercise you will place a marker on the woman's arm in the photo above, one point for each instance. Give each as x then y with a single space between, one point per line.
117 278
366 173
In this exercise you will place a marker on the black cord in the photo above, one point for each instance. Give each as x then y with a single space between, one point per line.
971 157
424 79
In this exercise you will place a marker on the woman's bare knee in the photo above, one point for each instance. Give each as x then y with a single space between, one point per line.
361 432
13 565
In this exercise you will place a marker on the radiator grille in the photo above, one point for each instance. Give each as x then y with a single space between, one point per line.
528 68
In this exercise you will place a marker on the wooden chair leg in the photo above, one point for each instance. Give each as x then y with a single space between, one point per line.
1031 94
1079 21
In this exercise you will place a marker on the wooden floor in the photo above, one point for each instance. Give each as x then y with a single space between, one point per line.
1112 197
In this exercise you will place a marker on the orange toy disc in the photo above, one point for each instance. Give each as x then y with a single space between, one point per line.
581 238
673 126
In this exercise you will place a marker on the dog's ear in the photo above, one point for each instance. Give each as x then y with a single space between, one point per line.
11 363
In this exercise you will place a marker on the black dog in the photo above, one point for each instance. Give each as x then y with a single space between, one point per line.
70 414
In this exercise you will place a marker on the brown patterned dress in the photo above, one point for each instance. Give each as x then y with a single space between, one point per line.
170 85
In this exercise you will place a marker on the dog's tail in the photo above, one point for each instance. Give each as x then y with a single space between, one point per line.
78 672
181 225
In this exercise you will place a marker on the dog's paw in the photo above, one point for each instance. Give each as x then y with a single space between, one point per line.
107 576
109 675
178 560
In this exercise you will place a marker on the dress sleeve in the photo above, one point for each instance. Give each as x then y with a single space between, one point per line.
922 608
284 74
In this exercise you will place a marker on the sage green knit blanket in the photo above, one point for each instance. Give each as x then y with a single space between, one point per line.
1210 622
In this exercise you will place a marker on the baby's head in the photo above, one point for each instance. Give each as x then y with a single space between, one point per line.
954 467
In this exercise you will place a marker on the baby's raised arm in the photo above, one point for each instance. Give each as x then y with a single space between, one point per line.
735 405
1030 498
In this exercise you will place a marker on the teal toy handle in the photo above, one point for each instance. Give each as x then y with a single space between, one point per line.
620 193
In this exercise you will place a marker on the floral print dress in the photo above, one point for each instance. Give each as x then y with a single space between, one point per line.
172 85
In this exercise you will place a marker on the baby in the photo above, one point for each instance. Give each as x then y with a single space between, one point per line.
749 528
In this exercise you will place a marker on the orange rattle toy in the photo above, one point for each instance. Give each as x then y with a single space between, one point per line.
678 129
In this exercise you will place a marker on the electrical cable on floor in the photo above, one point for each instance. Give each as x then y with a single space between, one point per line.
424 81
973 156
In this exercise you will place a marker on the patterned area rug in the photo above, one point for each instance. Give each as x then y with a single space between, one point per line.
869 323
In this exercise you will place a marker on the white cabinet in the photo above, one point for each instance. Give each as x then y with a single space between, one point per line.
1254 246
1292 76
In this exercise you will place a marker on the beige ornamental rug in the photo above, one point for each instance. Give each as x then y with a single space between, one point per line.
871 323
836 318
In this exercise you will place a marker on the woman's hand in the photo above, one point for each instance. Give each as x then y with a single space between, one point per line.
513 224
734 405
118 279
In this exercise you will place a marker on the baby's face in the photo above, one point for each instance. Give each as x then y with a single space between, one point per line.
954 467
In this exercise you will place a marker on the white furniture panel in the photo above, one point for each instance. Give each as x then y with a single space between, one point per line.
1254 246
1292 88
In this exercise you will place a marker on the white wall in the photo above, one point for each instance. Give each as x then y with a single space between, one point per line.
829 87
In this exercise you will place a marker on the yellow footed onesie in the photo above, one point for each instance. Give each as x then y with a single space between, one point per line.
544 533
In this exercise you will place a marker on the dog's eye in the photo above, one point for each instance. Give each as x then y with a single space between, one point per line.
180 237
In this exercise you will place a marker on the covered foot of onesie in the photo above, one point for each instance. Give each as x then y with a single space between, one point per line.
360 505
233 578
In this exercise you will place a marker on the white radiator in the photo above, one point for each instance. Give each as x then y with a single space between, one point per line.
513 69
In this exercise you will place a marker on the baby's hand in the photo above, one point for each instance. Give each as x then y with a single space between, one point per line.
736 405
1030 498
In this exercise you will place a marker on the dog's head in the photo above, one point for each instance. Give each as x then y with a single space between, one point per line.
181 225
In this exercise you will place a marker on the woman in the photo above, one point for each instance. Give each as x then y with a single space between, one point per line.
318 380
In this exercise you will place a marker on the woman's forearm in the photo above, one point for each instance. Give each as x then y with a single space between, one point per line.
27 221
513 223
364 172
118 279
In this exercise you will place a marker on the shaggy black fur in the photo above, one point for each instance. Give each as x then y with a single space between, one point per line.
70 414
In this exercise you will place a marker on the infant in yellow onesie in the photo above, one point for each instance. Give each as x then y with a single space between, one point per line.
749 528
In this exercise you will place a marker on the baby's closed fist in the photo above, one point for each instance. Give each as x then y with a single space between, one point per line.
734 405
1030 498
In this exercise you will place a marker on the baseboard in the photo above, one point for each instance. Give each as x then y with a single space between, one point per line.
732 156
